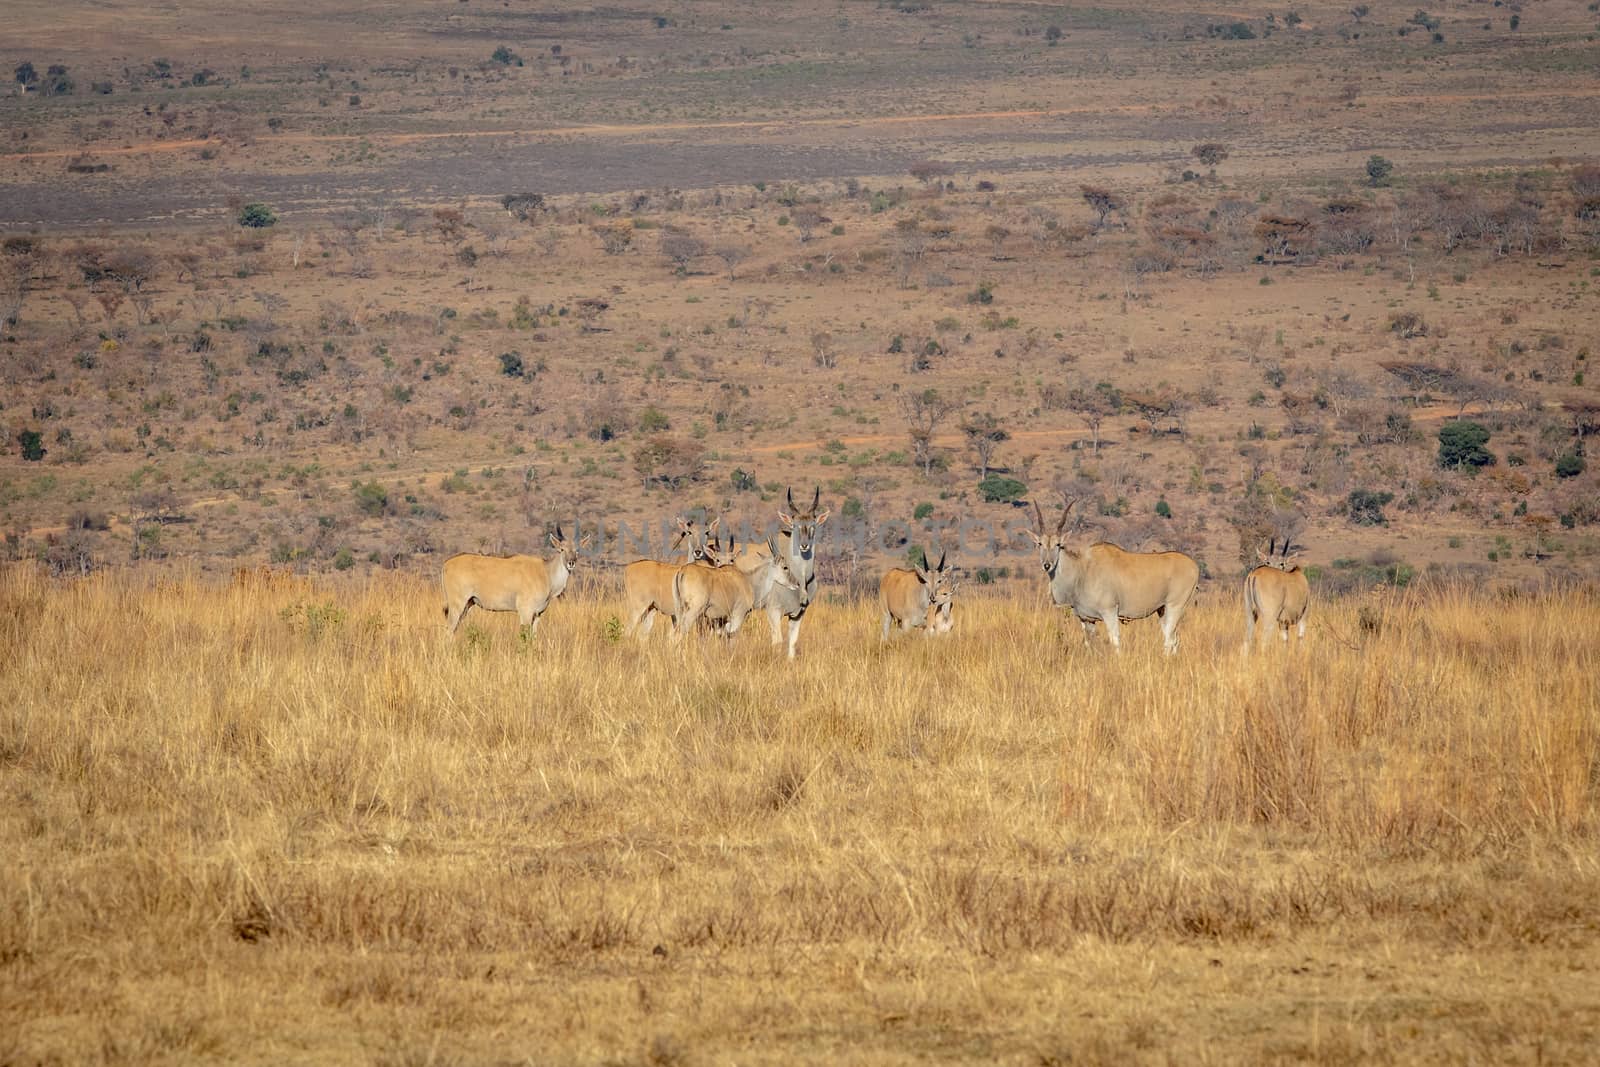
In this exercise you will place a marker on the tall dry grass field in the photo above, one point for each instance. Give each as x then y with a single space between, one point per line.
292 821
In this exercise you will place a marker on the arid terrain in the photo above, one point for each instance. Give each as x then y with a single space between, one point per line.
295 303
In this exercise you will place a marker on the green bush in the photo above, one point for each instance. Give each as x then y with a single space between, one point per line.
998 489
1570 465
372 498
1163 509
923 510
32 442
257 216
1461 444
1378 170
511 364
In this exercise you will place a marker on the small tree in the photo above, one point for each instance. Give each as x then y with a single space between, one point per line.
731 256
924 412
523 207
511 364
1378 171
27 77
929 170
1461 444
505 57
682 249
984 434
1210 153
257 216
1052 35
1103 201
1569 465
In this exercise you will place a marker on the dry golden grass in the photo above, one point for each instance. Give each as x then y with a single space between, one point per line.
291 821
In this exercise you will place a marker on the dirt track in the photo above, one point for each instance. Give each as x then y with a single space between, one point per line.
425 167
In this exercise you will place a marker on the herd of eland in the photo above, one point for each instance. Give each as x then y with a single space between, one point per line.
720 585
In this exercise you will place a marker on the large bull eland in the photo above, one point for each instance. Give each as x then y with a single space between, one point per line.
1276 594
1103 583
647 584
797 544
526 585
723 593
915 598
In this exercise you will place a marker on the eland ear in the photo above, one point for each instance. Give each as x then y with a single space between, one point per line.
822 516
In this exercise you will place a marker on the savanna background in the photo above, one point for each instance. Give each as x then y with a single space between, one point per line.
297 303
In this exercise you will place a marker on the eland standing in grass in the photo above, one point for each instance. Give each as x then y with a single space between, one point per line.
723 593
1104 583
914 597
647 583
526 585
1276 594
797 544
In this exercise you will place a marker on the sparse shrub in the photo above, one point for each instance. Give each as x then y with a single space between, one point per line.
511 364
1365 506
372 499
653 420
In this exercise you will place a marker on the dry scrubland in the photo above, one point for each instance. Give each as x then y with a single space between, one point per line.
865 206
529 263
291 821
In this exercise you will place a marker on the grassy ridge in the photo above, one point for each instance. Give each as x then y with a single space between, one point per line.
291 819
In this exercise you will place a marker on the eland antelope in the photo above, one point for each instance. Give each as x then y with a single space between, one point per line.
723 592
916 598
1276 594
1104 583
524 584
797 543
647 584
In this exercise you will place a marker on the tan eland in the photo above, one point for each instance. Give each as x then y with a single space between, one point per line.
724 593
1276 594
1103 583
797 543
915 597
526 585
647 583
